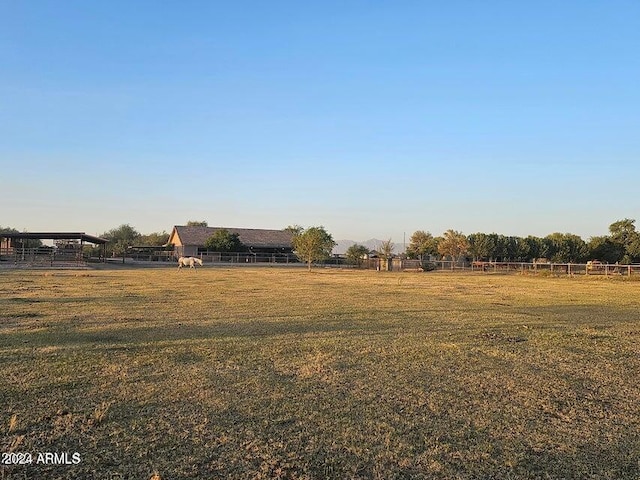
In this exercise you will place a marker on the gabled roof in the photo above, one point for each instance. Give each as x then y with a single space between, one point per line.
251 237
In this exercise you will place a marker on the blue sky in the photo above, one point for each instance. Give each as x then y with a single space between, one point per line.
374 119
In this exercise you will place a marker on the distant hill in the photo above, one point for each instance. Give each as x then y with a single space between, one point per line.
343 245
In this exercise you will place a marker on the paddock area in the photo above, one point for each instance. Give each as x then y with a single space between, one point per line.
267 373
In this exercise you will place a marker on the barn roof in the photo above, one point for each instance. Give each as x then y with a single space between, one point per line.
251 237
55 236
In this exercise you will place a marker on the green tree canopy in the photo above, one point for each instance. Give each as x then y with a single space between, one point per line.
197 223
481 246
295 229
623 231
356 254
312 244
422 244
154 239
453 244
121 238
534 247
224 241
624 234
604 249
566 247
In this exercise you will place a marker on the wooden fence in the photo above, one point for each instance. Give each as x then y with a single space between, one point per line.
544 268
48 256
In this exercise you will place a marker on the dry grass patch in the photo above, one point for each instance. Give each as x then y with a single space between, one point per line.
269 373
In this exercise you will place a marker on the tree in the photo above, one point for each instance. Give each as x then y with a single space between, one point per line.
356 254
223 241
604 249
547 248
511 248
120 239
624 234
8 230
197 223
633 251
295 229
501 248
623 231
421 243
453 244
312 244
566 248
522 249
386 249
534 247
481 246
156 239
24 242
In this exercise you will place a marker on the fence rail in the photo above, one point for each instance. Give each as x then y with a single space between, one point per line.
47 256
41 256
550 268
218 257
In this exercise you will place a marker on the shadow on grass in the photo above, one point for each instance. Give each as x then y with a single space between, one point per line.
121 337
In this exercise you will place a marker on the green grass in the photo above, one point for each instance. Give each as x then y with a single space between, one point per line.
272 373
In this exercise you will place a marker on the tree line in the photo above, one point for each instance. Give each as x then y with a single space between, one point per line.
622 245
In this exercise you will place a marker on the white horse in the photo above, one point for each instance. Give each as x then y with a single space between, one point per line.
188 262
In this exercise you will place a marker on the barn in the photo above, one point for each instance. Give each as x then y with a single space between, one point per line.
189 240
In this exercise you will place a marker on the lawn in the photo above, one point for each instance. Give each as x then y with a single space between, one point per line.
280 373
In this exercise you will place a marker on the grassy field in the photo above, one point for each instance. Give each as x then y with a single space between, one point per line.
275 373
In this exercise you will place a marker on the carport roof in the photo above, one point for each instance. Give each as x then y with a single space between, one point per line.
55 236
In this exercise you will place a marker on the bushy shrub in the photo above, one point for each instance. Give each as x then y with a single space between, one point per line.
429 266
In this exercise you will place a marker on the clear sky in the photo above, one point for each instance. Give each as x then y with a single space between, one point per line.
374 119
